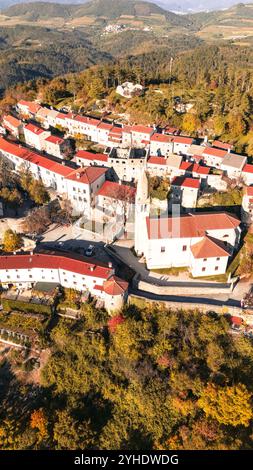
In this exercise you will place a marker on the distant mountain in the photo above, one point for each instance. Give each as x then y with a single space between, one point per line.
172 5
109 9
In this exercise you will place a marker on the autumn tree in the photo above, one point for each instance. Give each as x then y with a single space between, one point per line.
40 423
69 434
230 405
11 241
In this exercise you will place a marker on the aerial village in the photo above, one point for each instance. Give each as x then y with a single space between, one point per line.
115 210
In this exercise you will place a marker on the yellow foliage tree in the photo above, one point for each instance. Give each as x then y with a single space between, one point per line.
11 240
228 405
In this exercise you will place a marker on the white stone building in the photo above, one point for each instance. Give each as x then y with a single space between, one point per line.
13 125
176 241
184 191
24 270
35 136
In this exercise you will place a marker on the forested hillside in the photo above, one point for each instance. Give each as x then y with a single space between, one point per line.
146 379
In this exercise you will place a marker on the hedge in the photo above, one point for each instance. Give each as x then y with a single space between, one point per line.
9 305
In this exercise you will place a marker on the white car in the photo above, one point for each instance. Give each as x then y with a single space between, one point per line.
90 250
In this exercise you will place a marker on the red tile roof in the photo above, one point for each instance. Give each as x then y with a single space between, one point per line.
214 152
249 190
157 161
115 286
32 157
182 140
55 140
30 105
62 116
161 138
12 121
222 145
190 226
55 260
209 248
188 166
34 129
142 129
201 170
105 126
86 175
117 191
236 320
185 182
247 168
91 156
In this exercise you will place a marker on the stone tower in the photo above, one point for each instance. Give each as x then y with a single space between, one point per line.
142 208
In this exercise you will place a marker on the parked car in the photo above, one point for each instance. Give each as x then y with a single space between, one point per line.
90 250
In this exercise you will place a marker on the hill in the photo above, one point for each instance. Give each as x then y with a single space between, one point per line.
106 9
30 52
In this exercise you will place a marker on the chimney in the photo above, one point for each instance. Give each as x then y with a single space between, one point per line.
31 253
63 162
92 267
78 176
110 264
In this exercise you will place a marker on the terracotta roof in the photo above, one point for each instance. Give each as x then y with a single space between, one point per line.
236 320
222 145
185 182
247 168
142 129
157 161
62 116
190 226
214 152
182 140
249 190
12 121
34 129
209 248
116 130
31 105
201 170
86 175
161 138
91 156
117 191
115 286
188 166
32 157
92 121
55 260
105 126
54 139
171 130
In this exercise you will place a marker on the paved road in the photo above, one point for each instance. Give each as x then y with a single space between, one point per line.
186 299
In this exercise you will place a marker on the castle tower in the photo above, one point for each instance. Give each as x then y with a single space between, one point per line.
142 208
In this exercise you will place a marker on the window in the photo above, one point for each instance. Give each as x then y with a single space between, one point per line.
205 259
203 269
217 259
162 249
216 268
184 248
